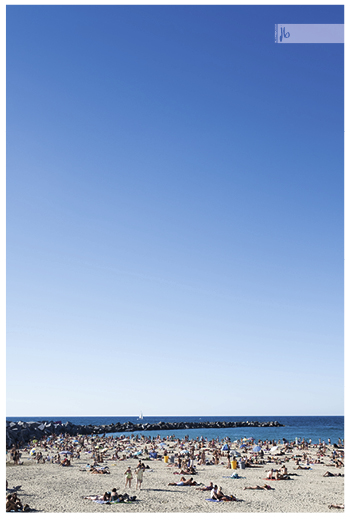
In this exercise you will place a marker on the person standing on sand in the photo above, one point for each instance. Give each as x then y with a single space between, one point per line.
139 472
128 477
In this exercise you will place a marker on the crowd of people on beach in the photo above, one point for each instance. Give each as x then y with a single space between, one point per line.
184 456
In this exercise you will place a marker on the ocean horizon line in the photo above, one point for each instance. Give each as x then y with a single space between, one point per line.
200 416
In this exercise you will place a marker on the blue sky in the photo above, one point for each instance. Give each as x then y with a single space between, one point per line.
174 212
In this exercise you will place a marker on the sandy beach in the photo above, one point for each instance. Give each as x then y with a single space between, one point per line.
50 487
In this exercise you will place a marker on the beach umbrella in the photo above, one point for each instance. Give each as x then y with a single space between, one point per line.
242 445
257 448
225 448
65 453
162 444
32 452
34 440
184 451
274 448
235 453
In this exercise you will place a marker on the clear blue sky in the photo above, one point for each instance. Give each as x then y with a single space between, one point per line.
174 212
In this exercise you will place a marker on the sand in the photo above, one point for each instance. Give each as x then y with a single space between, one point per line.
53 488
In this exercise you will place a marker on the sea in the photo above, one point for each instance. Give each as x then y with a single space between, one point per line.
312 427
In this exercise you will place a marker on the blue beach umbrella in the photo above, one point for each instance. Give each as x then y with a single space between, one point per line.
257 448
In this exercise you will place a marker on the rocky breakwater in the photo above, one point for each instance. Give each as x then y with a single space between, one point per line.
20 432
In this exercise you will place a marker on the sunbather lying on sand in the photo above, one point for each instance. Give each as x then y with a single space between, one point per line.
265 486
207 488
111 497
275 475
329 474
99 471
278 476
184 482
336 506
336 464
188 471
124 498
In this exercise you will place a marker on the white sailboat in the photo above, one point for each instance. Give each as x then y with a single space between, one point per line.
141 416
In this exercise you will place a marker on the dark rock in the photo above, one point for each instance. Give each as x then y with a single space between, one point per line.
25 431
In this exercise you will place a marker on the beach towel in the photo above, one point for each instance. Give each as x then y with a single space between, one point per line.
20 511
233 477
213 500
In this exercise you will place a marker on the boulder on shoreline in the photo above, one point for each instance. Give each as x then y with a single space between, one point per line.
21 432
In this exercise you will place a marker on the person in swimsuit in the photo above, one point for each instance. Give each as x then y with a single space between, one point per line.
225 498
213 493
329 474
265 486
207 488
270 474
128 477
278 476
184 482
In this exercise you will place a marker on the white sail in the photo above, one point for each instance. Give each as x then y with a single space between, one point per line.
141 416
